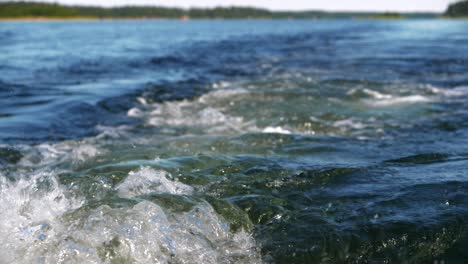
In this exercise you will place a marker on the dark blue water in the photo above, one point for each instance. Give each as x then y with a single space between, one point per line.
330 141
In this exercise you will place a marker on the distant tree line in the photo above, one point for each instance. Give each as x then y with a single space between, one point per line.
22 9
459 9
37 9
30 9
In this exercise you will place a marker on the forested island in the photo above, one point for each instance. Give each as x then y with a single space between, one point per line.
459 9
19 10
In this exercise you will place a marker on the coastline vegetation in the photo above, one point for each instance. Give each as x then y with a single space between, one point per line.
388 15
38 10
459 9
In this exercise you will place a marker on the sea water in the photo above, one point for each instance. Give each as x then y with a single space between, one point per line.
251 141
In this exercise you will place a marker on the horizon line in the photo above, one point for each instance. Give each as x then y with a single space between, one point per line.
229 6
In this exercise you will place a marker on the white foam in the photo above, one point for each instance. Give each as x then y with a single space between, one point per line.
142 100
454 92
221 94
428 93
349 123
134 112
190 115
74 152
147 180
146 233
399 100
209 113
111 132
39 223
221 85
377 95
212 116
276 130
84 152
31 209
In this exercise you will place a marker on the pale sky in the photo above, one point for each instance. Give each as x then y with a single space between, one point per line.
336 5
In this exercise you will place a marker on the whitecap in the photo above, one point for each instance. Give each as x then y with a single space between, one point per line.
453 92
377 95
399 100
134 112
220 85
276 130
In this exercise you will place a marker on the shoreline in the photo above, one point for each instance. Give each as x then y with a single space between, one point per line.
39 19
45 19
84 19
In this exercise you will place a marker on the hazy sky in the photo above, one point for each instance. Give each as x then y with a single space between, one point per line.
372 5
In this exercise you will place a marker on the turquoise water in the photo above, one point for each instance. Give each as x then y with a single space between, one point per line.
331 141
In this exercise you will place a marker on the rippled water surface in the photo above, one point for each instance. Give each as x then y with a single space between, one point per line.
234 142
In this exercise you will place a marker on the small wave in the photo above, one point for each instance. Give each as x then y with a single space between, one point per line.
377 95
209 112
134 112
425 94
71 152
351 123
210 118
9 155
145 233
399 100
31 211
169 60
111 132
43 222
454 92
426 158
147 180
40 224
